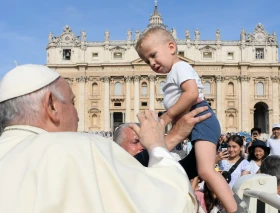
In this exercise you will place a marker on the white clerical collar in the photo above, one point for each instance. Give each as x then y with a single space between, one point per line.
24 128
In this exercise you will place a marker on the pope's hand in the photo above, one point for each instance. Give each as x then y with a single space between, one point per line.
151 130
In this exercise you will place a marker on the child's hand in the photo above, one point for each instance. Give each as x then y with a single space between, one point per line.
166 119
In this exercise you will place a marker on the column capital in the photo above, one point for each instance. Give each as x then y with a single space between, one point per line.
136 78
152 78
275 79
105 79
128 78
219 78
244 78
82 79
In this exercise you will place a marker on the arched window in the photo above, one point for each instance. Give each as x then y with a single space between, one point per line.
230 88
231 120
118 88
207 88
94 89
144 89
260 89
161 84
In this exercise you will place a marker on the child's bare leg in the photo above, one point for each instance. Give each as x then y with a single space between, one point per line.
205 153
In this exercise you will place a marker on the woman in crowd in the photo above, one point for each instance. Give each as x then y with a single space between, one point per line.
258 151
227 160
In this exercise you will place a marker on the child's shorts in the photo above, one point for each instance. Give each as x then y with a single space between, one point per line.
207 130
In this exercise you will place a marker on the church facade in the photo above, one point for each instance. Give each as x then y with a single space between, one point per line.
112 84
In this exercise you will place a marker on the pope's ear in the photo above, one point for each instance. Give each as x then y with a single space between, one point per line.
50 106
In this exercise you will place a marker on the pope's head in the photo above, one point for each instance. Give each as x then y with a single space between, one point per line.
37 96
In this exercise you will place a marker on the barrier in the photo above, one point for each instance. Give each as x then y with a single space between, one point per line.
262 187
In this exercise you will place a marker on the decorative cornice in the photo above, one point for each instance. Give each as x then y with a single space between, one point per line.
152 78
128 78
136 78
219 78
275 79
105 79
82 79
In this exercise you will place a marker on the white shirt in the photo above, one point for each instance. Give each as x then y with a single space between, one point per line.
254 167
274 145
180 72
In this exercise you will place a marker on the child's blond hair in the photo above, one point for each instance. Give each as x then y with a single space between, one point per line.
162 34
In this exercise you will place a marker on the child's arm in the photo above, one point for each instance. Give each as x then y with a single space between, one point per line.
187 99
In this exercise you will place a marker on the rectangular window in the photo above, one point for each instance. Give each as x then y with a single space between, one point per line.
230 55
259 53
207 55
117 55
67 54
181 53
95 56
117 104
144 103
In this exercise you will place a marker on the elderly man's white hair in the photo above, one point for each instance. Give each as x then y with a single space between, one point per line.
118 135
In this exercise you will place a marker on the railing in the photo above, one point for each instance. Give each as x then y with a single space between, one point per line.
251 188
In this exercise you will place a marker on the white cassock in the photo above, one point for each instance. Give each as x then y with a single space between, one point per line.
42 172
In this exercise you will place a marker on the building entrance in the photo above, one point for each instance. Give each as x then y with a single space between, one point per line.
261 117
117 119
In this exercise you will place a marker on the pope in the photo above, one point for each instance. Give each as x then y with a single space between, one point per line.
46 166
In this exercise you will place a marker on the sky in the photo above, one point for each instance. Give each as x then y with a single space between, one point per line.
25 25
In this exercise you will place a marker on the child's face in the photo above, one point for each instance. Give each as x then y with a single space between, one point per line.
157 53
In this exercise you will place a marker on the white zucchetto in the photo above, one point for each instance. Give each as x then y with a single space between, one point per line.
25 79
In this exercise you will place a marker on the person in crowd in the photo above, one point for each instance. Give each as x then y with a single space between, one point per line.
222 143
46 166
258 151
129 140
255 135
226 161
274 141
271 166
183 87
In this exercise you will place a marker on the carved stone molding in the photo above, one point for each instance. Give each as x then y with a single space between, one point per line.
219 78
231 78
82 79
275 79
128 78
144 78
244 78
136 78
152 78
105 79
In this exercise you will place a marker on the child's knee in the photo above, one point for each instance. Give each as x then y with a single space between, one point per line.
205 174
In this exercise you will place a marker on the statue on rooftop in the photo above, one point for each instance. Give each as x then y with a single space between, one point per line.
196 34
187 34
50 37
83 36
128 35
107 35
218 35
137 34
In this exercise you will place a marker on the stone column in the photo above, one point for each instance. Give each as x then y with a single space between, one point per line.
239 105
106 112
152 91
245 103
136 96
219 97
128 79
275 99
81 107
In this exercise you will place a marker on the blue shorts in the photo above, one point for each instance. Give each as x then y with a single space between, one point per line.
207 130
